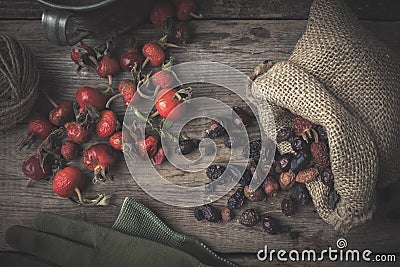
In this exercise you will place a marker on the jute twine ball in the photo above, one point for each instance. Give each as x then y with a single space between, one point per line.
19 80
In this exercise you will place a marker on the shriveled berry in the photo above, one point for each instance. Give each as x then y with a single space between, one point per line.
227 214
237 199
249 218
270 225
299 162
271 185
327 177
215 129
254 196
283 163
244 117
187 146
182 33
211 214
62 113
333 198
215 171
77 133
69 150
253 149
307 176
198 214
320 154
287 180
322 134
301 195
299 144
300 125
288 206
283 134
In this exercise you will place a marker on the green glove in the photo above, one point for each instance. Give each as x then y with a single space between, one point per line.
64 242
137 220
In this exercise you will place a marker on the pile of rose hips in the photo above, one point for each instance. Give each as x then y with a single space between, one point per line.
70 125
307 159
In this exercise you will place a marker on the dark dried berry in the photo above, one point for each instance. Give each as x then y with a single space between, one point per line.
244 117
227 214
237 171
333 198
249 217
182 33
237 199
294 235
327 177
187 146
283 134
287 180
254 196
301 125
215 171
215 130
301 195
299 144
285 229
322 134
211 214
270 225
232 141
253 149
271 185
198 214
288 206
299 162
283 163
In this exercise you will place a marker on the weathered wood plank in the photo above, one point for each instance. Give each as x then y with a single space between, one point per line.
236 9
240 44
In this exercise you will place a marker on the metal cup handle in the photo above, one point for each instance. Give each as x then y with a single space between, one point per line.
54 24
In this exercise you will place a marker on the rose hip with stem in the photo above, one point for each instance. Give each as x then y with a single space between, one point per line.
84 56
116 141
61 113
39 127
186 9
78 133
107 124
32 168
108 66
127 89
160 12
69 181
88 96
69 150
154 54
168 104
131 59
99 158
148 146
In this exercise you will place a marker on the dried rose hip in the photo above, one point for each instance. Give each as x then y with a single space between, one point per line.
99 158
327 177
333 198
298 144
70 150
154 54
107 124
304 128
69 181
215 171
148 146
159 158
287 180
320 154
270 225
244 117
77 133
271 185
249 218
237 199
32 169
128 90
283 163
116 141
107 67
253 150
307 176
131 59
257 195
185 10
283 134
215 130
62 113
227 214
182 33
301 195
288 206
198 214
88 96
187 146
162 78
211 214
39 127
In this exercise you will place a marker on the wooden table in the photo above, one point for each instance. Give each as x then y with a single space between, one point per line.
237 33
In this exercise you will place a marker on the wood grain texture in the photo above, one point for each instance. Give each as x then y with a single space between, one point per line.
240 44
235 9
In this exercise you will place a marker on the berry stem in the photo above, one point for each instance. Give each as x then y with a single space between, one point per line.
196 16
49 98
30 181
145 62
155 114
78 193
109 80
112 99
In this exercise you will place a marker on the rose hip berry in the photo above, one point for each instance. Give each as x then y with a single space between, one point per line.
159 158
237 199
38 127
286 180
185 10
182 33
253 150
148 146
187 146
283 134
244 116
80 54
116 141
69 181
162 78
153 53
227 214
254 196
304 128
288 206
131 59
127 88
160 12
107 124
307 176
168 105
32 169
271 185
77 133
88 96
99 158
211 214
69 150
215 129
62 113
107 67
320 154
213 172
249 218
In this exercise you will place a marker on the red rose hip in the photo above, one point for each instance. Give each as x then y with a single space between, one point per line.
99 158
153 53
69 150
39 127
32 169
107 124
69 181
160 12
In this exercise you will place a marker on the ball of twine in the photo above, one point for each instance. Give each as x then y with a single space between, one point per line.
19 80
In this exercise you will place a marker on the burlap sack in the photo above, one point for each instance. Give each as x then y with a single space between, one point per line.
340 77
